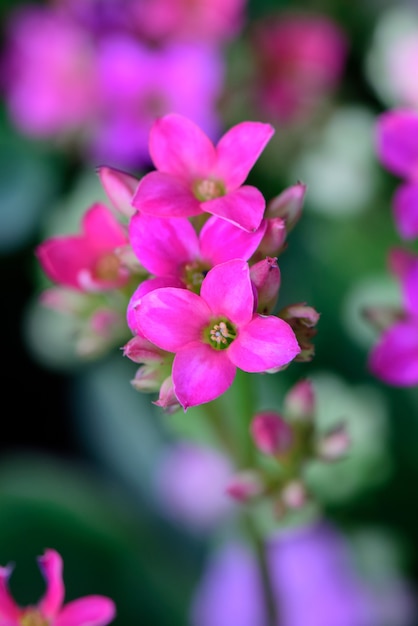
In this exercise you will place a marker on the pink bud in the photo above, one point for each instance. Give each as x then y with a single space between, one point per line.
120 188
140 350
288 205
334 444
294 495
167 399
148 378
273 238
244 486
271 434
265 276
299 402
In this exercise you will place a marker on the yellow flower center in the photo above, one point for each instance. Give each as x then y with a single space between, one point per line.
208 189
107 267
32 617
221 334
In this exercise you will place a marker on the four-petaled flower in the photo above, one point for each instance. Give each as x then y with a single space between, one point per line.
214 333
193 176
88 611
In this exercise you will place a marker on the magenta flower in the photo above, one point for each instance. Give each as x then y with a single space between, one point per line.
88 611
397 149
394 359
299 60
214 333
193 176
87 262
171 247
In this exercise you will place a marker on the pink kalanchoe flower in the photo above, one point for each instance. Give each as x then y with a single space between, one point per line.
171 247
394 359
299 60
214 333
88 611
194 176
397 149
87 262
49 62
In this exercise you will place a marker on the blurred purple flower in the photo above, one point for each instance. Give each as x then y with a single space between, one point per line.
313 577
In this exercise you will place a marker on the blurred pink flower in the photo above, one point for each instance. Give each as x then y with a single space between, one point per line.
139 83
397 149
87 262
88 611
299 60
394 358
193 176
50 76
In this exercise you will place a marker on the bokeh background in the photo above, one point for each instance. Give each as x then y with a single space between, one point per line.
81 452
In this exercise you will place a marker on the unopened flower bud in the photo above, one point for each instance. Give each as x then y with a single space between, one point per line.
140 350
167 399
302 319
288 205
265 276
244 486
120 188
294 495
334 444
271 434
274 237
299 402
148 378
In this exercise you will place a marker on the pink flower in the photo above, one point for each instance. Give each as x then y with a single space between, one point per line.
50 66
394 359
214 333
299 60
171 247
87 262
87 611
138 83
397 149
194 176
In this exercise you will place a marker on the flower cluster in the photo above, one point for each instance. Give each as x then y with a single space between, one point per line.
394 358
191 252
102 75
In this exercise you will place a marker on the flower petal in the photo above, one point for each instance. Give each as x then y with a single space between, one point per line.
243 207
163 245
241 244
410 289
394 359
163 195
102 229
397 142
239 149
201 374
88 611
51 567
228 291
9 610
62 258
265 343
171 318
179 147
145 287
405 210
120 188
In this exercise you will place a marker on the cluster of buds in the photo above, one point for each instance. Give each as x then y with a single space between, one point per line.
190 253
287 442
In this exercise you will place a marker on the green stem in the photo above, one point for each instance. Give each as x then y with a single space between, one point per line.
259 547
